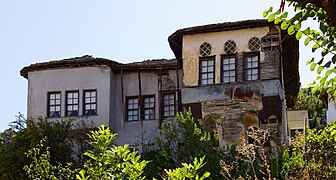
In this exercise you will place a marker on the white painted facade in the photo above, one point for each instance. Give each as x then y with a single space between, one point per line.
40 83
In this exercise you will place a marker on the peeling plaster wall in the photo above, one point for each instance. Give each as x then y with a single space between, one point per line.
79 79
191 44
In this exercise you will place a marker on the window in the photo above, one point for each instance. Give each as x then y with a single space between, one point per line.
90 102
251 67
132 109
229 47
169 105
54 104
72 103
254 44
149 107
207 70
228 69
205 49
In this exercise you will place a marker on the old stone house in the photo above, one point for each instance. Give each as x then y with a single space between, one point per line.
245 72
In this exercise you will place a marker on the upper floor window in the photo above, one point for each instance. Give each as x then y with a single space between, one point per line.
205 49
254 44
230 47
54 104
251 66
72 103
149 107
132 108
207 70
228 69
90 102
169 105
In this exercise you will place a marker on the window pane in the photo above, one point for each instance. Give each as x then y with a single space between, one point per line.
57 108
69 95
87 100
210 63
232 79
69 101
204 69
226 61
204 63
52 96
254 71
232 66
93 106
75 101
58 102
52 102
58 96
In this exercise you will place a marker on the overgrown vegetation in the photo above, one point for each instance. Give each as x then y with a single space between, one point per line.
322 40
185 151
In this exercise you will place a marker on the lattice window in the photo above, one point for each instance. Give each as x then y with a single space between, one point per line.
230 47
254 44
205 49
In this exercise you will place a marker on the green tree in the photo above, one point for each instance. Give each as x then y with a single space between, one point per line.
307 100
312 156
25 134
107 161
322 39
182 140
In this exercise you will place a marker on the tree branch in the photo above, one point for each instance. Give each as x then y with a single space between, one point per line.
329 6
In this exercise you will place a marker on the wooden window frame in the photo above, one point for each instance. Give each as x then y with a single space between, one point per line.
72 104
168 105
85 103
202 59
151 116
54 105
249 55
133 109
222 68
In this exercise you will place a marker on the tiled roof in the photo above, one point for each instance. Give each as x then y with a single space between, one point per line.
89 61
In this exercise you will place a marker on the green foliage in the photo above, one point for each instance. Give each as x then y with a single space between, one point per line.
187 171
313 156
26 134
183 140
307 100
322 39
40 167
106 162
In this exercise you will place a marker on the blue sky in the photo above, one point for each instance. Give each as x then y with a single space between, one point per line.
38 30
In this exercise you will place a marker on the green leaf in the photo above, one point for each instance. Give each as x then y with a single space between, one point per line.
334 59
316 45
265 13
291 30
284 15
328 73
306 42
298 35
271 18
324 52
327 65
284 25
312 66
277 20
320 69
